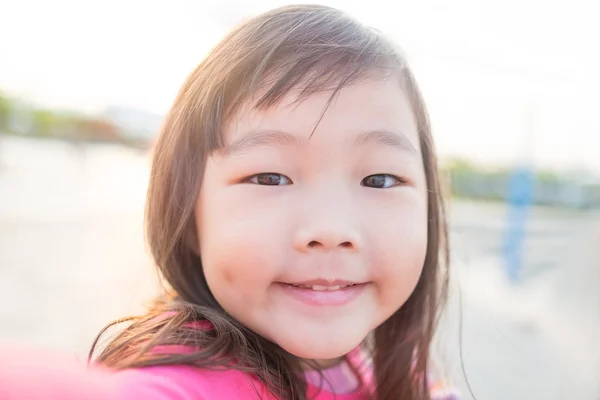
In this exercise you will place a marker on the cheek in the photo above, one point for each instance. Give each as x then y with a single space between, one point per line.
239 254
400 255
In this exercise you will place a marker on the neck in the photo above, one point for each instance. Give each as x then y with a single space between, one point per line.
320 364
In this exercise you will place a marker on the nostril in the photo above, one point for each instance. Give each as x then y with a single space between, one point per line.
315 244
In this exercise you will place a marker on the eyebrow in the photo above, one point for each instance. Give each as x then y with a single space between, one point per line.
258 138
397 140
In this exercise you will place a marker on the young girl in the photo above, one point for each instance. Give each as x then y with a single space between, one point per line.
294 209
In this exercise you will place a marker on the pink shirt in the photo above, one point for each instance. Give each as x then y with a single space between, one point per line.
33 375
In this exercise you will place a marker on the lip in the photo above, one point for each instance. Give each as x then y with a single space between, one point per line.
310 297
323 282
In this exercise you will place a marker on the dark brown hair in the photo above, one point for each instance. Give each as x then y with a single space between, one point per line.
310 48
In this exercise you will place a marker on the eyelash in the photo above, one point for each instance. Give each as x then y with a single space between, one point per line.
399 180
250 179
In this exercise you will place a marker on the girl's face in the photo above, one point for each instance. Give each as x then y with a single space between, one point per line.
313 239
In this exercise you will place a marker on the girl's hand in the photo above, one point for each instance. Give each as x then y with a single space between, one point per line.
31 374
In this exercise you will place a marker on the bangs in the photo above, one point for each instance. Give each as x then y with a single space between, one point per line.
318 72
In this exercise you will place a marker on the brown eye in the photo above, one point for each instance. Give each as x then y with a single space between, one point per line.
381 181
269 179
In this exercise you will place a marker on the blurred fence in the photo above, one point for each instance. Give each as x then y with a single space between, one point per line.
569 189
131 127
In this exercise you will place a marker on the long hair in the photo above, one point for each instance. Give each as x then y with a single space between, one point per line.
313 49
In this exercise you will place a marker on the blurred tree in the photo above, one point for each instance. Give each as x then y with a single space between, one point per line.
44 123
460 165
5 112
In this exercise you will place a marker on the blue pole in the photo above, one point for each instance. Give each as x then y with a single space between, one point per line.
520 198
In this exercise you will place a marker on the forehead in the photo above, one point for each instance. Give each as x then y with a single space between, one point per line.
371 105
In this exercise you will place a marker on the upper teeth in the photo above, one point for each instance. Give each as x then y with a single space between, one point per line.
320 287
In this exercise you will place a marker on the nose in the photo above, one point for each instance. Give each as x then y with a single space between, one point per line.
326 235
328 218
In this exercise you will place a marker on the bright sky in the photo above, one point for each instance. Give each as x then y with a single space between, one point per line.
488 69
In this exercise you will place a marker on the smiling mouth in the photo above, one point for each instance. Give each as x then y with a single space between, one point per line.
323 293
323 287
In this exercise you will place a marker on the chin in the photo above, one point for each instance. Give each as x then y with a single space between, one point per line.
321 347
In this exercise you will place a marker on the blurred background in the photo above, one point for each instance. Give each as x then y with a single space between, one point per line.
512 89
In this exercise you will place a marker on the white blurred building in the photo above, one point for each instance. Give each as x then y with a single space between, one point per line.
135 123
